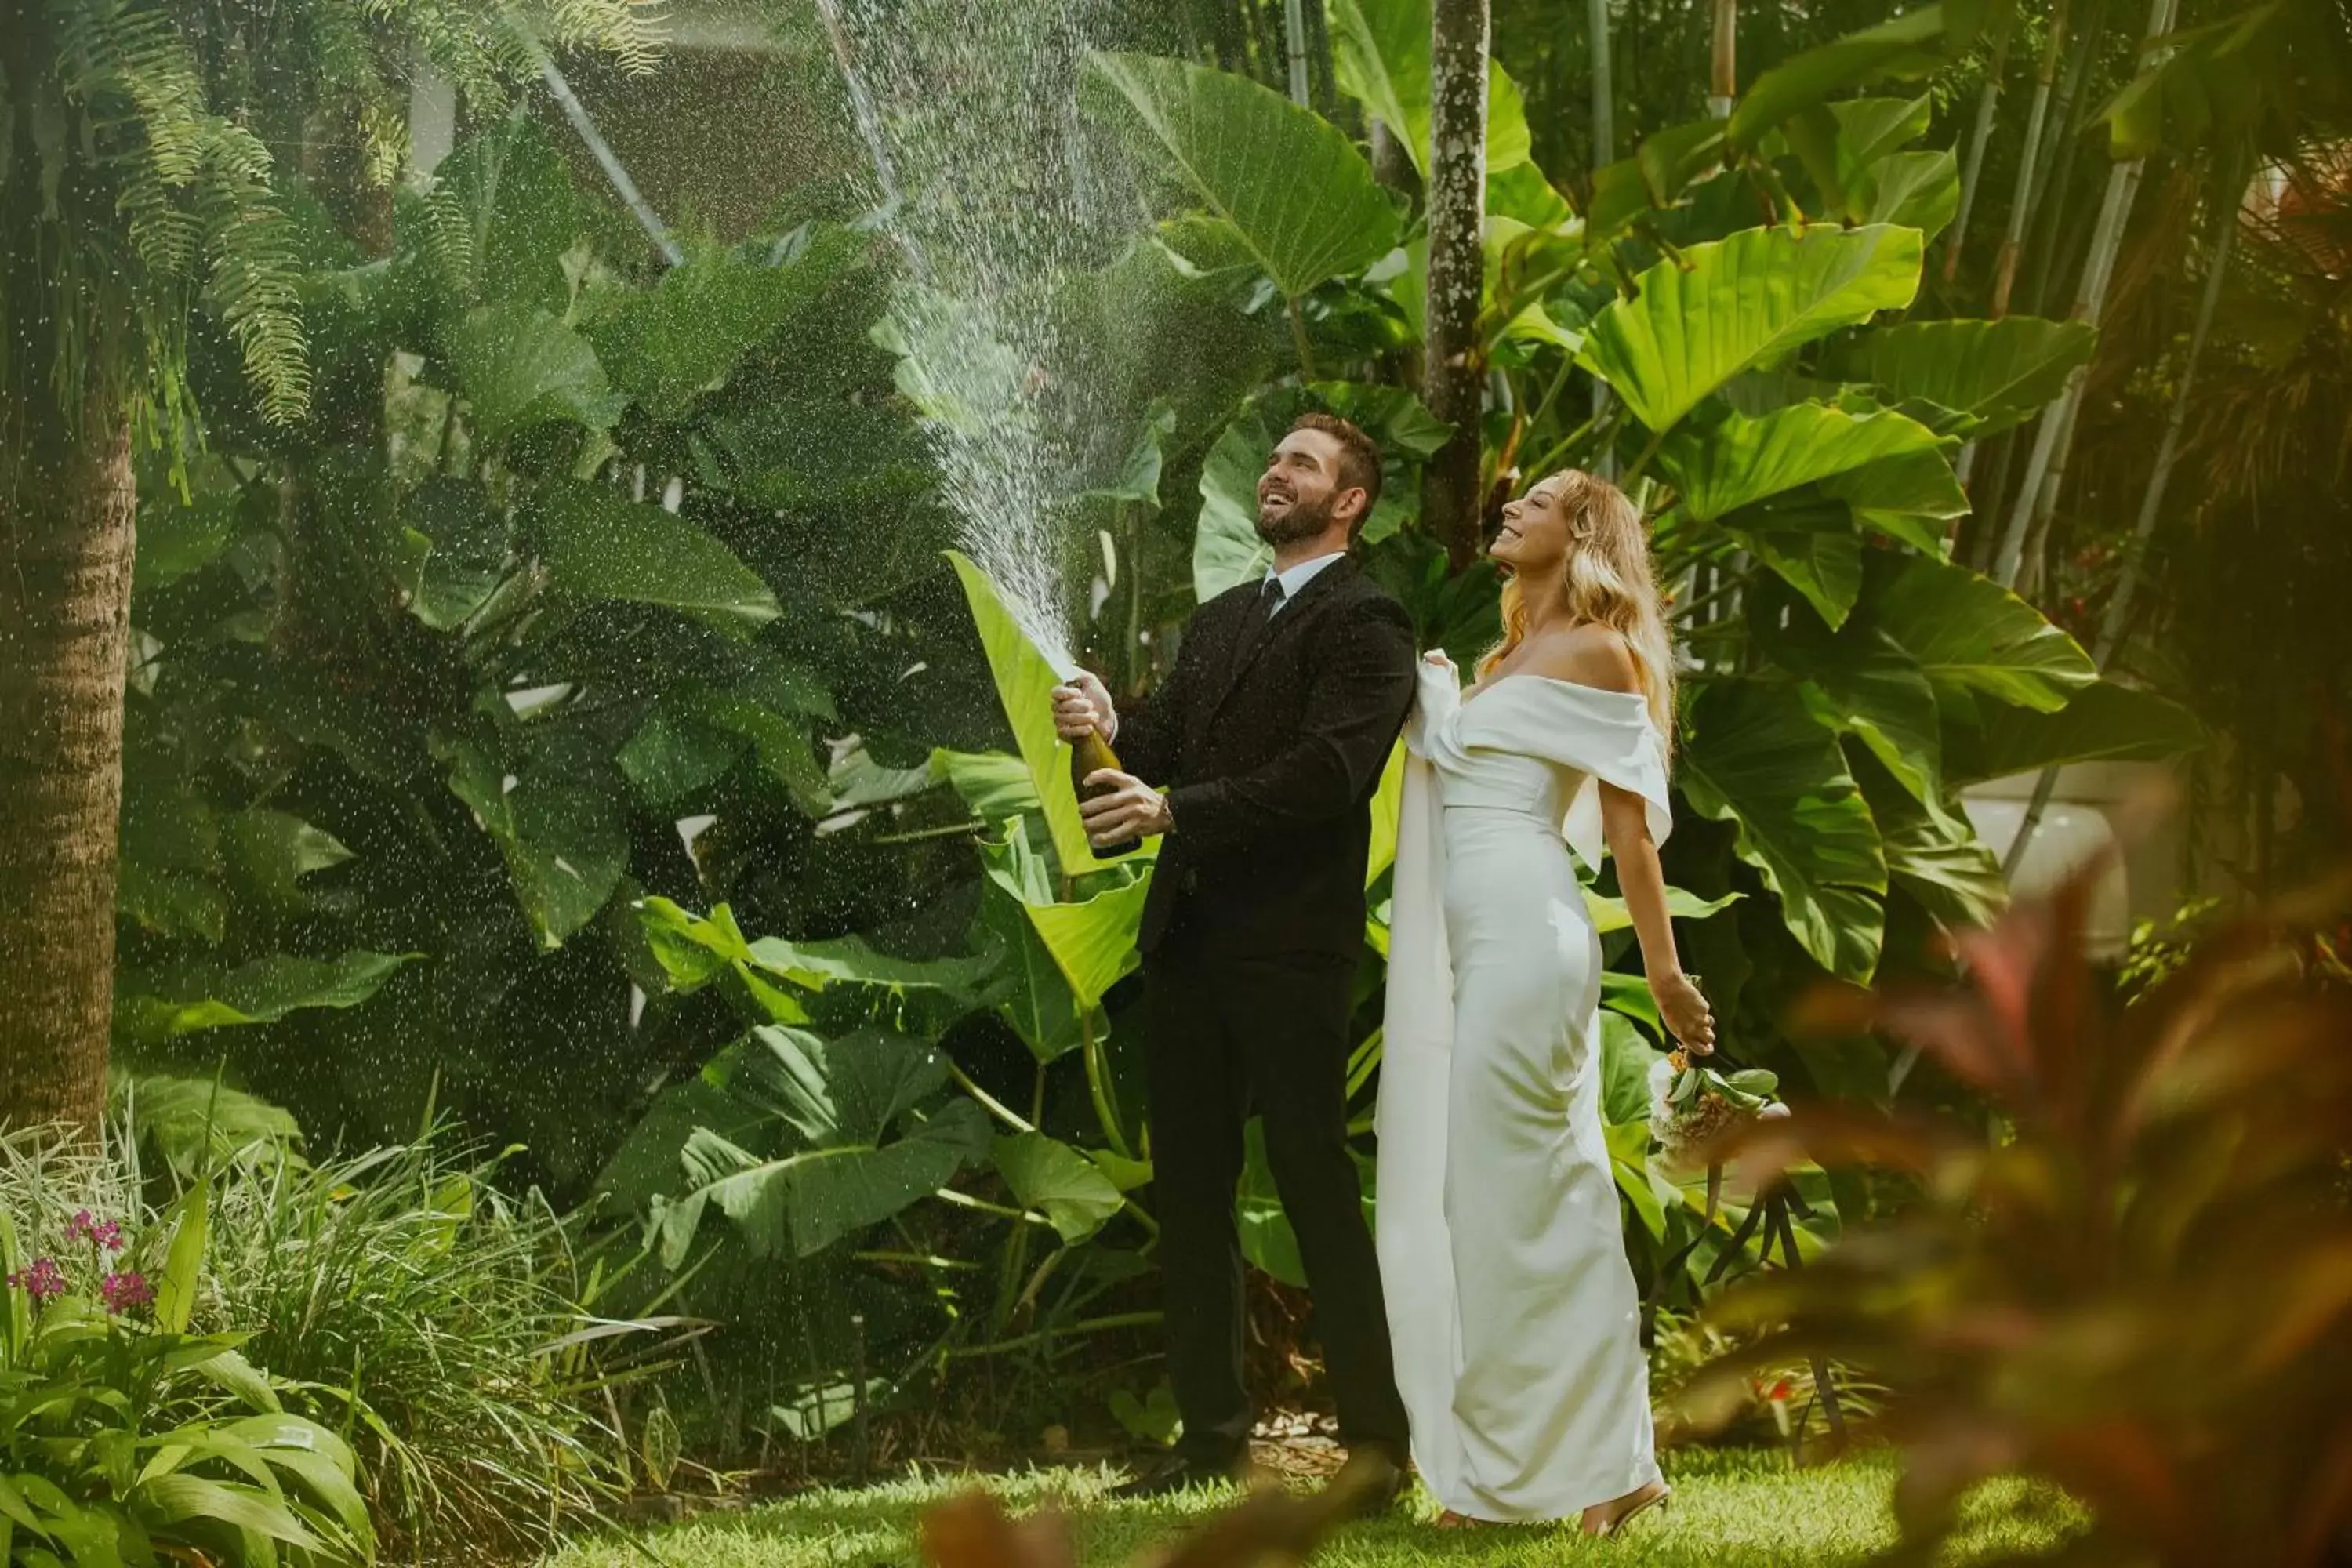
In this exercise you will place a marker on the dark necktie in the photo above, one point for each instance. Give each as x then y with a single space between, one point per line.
1269 599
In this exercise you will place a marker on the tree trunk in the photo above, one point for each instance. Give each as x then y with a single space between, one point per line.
66 516
1453 371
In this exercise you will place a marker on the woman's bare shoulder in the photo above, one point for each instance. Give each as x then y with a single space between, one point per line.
1588 655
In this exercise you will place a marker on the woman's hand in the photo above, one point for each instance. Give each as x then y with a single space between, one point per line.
1687 1017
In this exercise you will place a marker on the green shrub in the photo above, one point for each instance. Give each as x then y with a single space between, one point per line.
122 1435
437 1320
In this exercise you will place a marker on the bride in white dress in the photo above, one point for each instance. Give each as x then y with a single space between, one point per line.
1513 1310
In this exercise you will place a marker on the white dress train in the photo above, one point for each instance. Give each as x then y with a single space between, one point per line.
1516 1322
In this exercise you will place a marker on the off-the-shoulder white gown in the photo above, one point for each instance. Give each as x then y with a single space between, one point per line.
1515 1321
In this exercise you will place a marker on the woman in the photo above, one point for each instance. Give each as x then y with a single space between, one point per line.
1512 1309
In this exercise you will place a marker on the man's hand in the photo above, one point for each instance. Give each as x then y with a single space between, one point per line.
1126 808
1081 705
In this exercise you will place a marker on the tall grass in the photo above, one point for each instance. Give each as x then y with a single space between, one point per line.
398 1297
429 1315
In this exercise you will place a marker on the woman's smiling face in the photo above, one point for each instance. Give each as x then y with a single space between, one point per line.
1535 533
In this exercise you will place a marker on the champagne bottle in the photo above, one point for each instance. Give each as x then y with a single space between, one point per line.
1090 753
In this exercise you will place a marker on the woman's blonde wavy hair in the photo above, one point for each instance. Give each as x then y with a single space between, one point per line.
1609 582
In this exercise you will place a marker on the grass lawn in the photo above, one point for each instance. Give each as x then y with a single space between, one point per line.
1730 1510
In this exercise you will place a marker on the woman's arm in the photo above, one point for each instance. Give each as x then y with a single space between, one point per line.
1625 821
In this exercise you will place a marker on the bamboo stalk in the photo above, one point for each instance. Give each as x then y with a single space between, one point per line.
2053 176
2045 470
2020 203
2116 620
1294 30
1605 152
1980 139
1723 82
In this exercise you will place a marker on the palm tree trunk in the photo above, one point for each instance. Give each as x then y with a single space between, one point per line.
1453 372
67 514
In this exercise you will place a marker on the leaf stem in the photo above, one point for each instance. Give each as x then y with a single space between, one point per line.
1098 1084
988 1102
1298 338
1089 1326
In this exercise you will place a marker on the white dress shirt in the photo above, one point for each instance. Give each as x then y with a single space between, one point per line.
1297 578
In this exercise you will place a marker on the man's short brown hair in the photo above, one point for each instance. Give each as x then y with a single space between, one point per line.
1360 458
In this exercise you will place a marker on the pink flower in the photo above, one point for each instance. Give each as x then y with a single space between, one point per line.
41 1281
85 1226
121 1292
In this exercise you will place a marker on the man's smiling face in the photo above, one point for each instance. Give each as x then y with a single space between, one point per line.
1300 489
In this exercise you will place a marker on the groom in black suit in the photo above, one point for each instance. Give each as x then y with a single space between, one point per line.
1268 739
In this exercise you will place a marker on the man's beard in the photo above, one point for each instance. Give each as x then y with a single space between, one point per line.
1304 519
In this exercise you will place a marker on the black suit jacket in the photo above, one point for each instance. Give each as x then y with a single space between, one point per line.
1271 760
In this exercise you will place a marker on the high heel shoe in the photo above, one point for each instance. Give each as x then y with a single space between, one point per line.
1656 1500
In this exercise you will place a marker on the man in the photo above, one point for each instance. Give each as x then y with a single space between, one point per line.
1269 736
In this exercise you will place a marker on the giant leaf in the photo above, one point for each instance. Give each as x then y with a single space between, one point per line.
462 546
521 365
1996 372
688 331
1049 1176
1909 44
1092 941
1744 460
1381 51
1761 758
1024 685
1723 308
834 1104
1932 851
2105 723
1810 545
1917 190
156 1006
601 545
1965 630
1296 194
562 834
801 1204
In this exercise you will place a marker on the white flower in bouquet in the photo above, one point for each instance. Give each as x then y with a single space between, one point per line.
1691 1105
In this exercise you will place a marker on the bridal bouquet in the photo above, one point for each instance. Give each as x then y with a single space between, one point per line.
1690 1105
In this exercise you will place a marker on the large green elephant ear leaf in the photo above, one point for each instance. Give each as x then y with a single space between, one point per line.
1024 684
1296 194
1909 44
601 545
1759 758
1745 460
1381 59
157 1007
1997 373
1049 1176
835 1103
2105 723
1091 940
1730 306
1967 632
1933 852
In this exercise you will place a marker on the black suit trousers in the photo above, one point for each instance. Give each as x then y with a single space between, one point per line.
1229 1037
